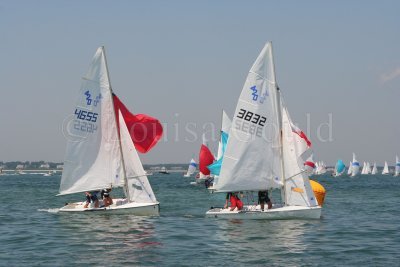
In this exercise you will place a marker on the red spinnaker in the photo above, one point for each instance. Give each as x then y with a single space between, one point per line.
145 131
205 159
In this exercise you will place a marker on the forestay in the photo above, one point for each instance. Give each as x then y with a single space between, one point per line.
252 157
93 157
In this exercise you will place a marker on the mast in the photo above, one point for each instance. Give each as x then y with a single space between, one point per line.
118 134
279 112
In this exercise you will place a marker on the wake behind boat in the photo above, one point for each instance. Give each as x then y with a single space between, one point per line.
101 152
264 151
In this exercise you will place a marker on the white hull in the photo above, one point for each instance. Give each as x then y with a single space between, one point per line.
119 206
276 213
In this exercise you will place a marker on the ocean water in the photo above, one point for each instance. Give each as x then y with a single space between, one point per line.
360 227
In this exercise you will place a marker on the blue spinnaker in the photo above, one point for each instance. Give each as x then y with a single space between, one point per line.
215 168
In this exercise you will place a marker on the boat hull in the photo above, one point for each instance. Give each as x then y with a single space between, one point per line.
119 206
276 213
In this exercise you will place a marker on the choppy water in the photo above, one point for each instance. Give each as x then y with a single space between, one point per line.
360 226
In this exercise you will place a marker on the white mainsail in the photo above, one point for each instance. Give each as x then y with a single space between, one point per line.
364 168
93 156
252 157
225 127
138 186
374 169
368 168
397 167
192 168
385 168
349 170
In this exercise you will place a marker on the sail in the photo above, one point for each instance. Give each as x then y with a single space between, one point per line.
138 186
145 131
252 157
340 167
368 168
192 167
397 167
309 165
205 158
93 157
349 169
364 168
355 166
298 190
215 168
374 169
385 168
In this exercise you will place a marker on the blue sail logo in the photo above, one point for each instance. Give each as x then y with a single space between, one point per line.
256 96
89 99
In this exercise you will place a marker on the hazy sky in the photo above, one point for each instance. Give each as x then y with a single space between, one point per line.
183 61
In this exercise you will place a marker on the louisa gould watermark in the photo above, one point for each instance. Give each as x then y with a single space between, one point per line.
77 130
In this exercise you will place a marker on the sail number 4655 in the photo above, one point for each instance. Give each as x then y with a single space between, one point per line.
86 115
251 117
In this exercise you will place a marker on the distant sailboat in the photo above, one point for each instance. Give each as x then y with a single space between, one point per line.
163 170
339 168
215 167
364 168
374 169
397 167
355 166
191 169
368 168
205 159
385 170
349 170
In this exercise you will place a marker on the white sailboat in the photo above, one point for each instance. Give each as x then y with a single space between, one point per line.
397 167
385 170
99 157
258 157
374 169
215 167
355 166
191 169
368 168
364 169
349 170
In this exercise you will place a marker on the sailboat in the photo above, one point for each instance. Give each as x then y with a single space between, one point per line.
101 152
374 169
263 151
205 159
339 168
385 170
191 169
215 167
397 167
364 168
368 168
355 166
349 170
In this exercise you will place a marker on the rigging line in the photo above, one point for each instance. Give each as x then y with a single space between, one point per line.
295 175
